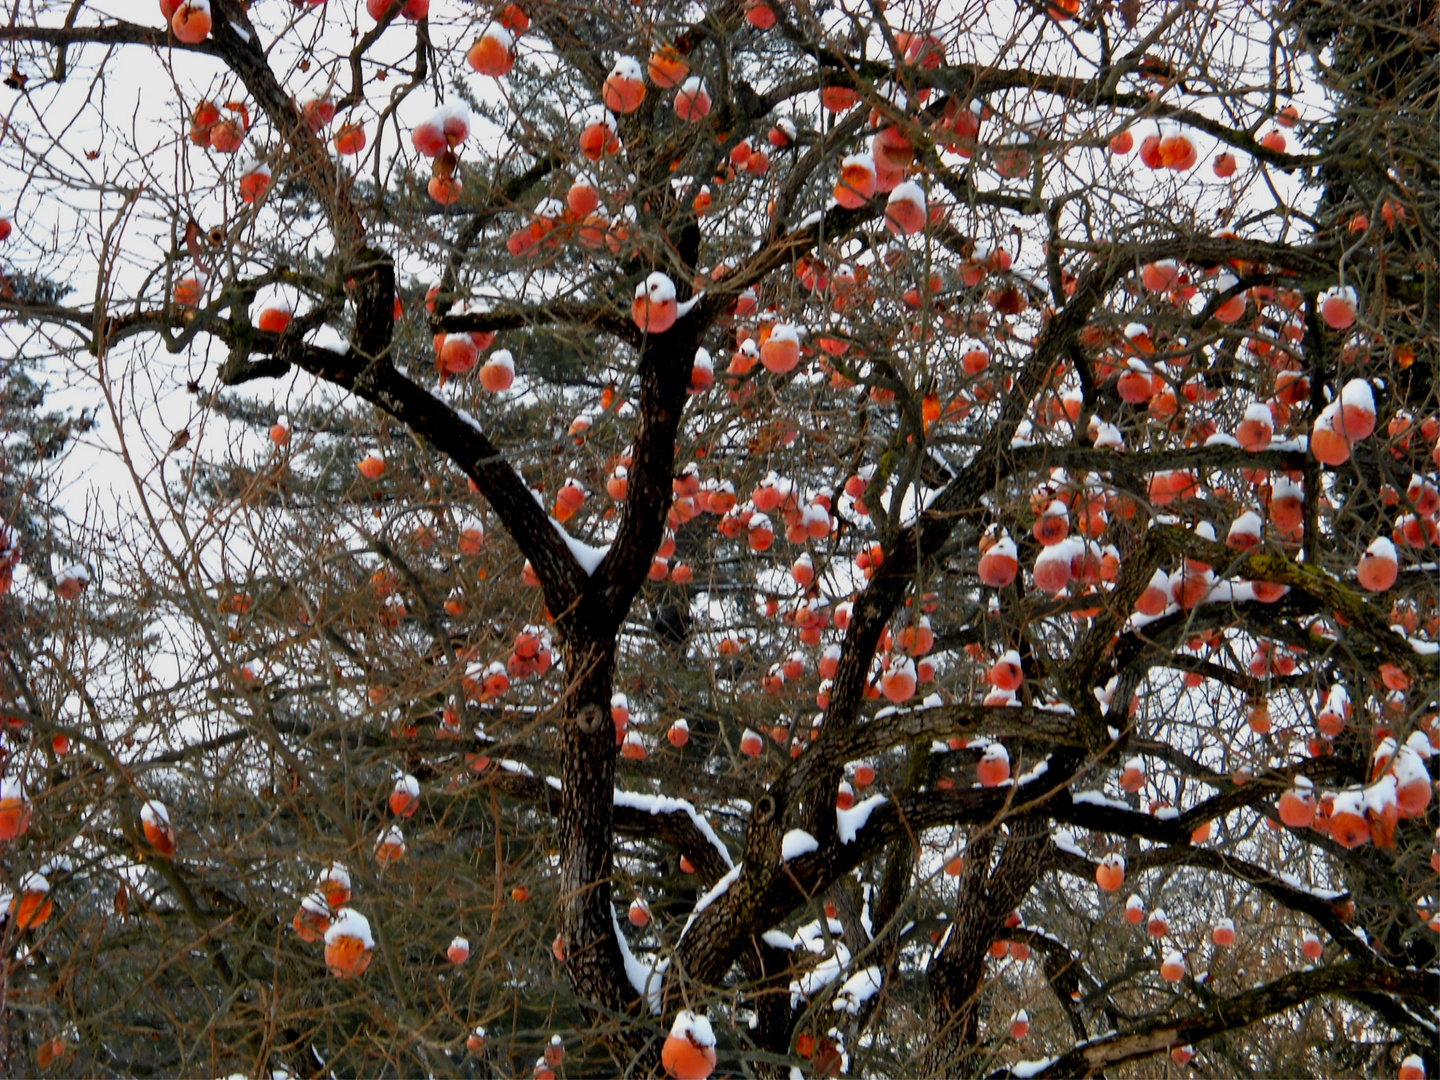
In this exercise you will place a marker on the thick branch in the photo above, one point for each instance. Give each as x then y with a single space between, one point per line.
1230 1014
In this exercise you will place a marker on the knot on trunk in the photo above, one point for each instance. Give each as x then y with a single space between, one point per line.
589 718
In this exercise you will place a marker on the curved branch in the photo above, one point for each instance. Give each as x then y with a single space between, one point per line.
463 441
1240 1011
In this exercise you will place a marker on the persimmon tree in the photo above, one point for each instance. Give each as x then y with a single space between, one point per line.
893 540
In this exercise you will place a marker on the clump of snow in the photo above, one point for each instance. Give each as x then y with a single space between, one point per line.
778 939
1098 798
350 923
695 1028
850 822
34 883
657 288
857 990
1064 839
1027 1069
627 67
797 842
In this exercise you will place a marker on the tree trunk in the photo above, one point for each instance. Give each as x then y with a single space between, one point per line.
586 824
957 973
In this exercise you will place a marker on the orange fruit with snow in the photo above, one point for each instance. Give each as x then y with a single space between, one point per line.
624 87
470 537
349 944
632 747
1256 430
665 68
999 563
1412 779
1053 524
1348 824
692 101
497 373
1337 307
1110 873
781 351
191 22
493 53
857 181
1328 445
1132 776
1379 566
905 209
993 768
318 113
760 533
312 918
1297 805
1006 673
597 133
1176 151
1356 417
274 317
32 905
898 681
390 847
405 796
371 465
14 810
568 499
689 1049
1232 309
555 1051
654 308
1172 968
1160 277
155 823
1136 385
187 291
334 883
